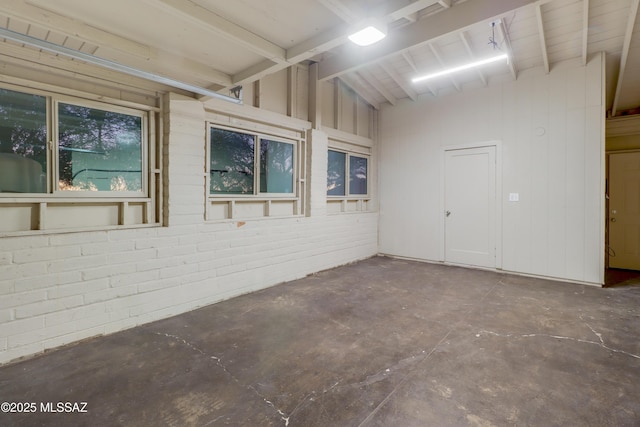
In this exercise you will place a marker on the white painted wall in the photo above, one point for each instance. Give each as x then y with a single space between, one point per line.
557 227
60 288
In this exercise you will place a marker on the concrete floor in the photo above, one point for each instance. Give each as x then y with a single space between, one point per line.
381 342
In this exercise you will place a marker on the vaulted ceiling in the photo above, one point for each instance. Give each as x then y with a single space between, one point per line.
220 44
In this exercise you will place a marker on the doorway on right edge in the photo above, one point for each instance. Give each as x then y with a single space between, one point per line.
623 215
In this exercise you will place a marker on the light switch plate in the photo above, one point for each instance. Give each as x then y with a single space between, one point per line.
514 197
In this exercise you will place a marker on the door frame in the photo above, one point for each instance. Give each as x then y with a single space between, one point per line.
497 144
606 201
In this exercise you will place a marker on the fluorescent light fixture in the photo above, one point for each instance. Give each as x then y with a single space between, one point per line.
371 32
461 68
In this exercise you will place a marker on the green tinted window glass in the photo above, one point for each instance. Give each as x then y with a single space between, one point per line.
276 167
98 150
357 175
232 162
23 142
336 173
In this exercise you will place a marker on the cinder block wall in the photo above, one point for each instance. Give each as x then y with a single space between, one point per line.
59 288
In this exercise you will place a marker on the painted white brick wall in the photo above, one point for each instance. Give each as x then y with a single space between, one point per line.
59 288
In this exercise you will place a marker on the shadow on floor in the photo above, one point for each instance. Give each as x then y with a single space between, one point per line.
618 277
377 343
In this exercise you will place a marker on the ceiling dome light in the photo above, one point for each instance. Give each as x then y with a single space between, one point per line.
370 32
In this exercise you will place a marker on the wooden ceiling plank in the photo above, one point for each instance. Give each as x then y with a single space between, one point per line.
438 55
72 28
507 40
210 21
375 83
585 31
339 9
543 41
449 20
322 42
400 81
361 91
394 11
633 13
467 45
407 57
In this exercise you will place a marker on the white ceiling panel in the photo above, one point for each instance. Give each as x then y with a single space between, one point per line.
221 43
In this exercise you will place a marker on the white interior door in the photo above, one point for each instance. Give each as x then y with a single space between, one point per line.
470 206
624 210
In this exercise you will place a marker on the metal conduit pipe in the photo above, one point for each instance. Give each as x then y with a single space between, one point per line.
62 50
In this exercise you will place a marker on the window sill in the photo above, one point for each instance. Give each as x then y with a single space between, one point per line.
252 208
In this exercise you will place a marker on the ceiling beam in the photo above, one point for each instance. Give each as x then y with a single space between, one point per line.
318 44
407 57
397 10
362 91
338 8
400 81
431 27
585 31
507 40
110 46
322 42
633 13
438 56
49 19
111 65
543 41
467 45
207 20
368 77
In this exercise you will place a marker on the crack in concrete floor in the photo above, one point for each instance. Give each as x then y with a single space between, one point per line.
559 337
219 363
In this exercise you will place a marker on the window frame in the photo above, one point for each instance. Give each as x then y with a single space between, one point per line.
347 175
53 191
257 137
55 148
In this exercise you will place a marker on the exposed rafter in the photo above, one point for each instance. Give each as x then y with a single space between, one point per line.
329 39
111 65
407 57
585 31
375 83
449 20
394 10
543 41
507 41
42 16
438 56
633 13
396 77
362 91
338 8
210 21
467 46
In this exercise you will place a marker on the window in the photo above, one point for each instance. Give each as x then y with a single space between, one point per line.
23 142
74 163
336 173
98 150
357 175
95 148
341 165
237 168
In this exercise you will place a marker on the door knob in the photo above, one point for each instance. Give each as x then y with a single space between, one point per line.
448 213
613 220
